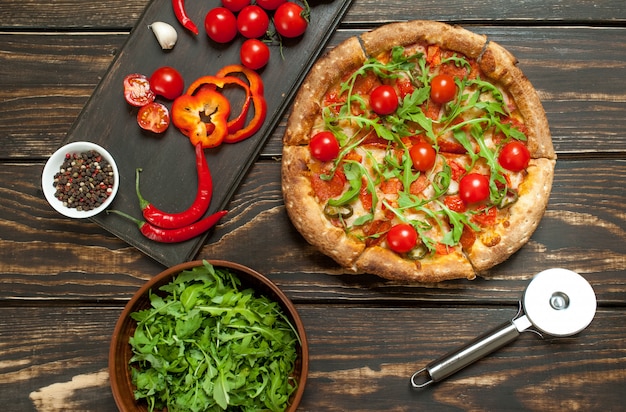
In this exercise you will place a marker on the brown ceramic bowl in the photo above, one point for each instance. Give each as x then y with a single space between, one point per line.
120 350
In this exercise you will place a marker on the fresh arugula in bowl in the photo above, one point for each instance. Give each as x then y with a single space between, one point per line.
205 344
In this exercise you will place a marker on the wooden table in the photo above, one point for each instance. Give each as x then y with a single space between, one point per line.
64 282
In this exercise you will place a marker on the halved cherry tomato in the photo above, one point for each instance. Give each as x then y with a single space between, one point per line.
270 4
384 100
291 20
167 82
154 117
324 146
442 88
423 156
221 25
254 54
252 22
474 187
401 238
235 5
514 156
137 91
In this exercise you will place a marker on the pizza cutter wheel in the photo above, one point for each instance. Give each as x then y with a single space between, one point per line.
557 302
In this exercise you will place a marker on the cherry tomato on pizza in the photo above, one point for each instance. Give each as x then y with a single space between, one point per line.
221 25
384 100
235 5
254 54
423 156
154 117
401 238
137 91
270 4
252 22
167 82
474 188
442 88
291 19
324 146
514 156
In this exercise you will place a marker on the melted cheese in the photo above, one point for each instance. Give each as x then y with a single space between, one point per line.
373 158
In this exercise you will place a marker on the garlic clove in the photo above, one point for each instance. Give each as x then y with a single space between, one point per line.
165 34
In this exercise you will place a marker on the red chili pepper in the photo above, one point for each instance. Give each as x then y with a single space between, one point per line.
159 218
190 111
214 82
258 99
183 18
174 235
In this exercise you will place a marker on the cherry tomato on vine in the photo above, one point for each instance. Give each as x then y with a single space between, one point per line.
254 54
137 91
384 100
154 117
252 22
221 25
423 156
290 20
235 5
514 156
473 188
270 4
167 82
324 146
401 238
442 88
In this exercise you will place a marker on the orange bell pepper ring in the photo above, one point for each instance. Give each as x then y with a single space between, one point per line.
258 100
202 117
217 82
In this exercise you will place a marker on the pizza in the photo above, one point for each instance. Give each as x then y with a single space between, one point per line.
418 151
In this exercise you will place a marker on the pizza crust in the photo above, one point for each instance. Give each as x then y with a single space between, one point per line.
307 215
524 217
405 33
501 66
389 265
346 57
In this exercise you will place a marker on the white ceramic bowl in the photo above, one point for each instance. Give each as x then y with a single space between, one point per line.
52 167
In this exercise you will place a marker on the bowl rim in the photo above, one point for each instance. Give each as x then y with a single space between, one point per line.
283 300
52 166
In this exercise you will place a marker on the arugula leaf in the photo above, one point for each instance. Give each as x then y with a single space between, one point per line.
457 222
353 174
410 111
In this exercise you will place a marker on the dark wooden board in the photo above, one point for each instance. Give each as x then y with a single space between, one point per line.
169 177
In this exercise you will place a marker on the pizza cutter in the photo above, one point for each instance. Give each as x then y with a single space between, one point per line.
557 302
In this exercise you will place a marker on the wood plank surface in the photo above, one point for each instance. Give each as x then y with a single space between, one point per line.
63 283
57 74
60 360
109 269
120 14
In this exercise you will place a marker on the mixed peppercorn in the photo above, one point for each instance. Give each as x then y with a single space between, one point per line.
84 181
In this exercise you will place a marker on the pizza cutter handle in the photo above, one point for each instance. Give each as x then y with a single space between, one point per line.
468 354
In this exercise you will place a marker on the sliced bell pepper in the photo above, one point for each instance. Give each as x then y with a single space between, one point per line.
202 117
258 99
215 82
